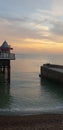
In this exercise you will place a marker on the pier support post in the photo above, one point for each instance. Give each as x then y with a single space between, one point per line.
8 73
5 70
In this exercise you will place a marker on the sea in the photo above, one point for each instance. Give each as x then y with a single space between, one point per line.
26 93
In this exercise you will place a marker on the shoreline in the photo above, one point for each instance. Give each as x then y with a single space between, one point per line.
32 122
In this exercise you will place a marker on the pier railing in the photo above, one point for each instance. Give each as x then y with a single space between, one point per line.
9 56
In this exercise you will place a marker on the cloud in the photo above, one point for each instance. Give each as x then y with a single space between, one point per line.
56 31
57 28
57 7
53 23
40 25
22 28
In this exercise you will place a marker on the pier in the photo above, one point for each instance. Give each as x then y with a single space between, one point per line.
52 72
5 57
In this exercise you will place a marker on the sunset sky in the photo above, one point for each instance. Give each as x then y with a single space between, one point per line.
32 26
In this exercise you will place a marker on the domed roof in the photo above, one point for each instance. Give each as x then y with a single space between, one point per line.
5 45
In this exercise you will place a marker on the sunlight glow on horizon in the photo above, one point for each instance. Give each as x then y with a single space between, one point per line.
38 48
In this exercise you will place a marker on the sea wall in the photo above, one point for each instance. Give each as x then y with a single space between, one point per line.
48 73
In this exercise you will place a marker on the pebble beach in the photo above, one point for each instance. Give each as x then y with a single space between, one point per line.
32 122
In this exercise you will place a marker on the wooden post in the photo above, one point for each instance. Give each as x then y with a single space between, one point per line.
8 72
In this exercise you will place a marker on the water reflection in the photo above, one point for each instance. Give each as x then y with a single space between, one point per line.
4 91
52 87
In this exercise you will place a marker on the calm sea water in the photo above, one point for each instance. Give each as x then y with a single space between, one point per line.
26 93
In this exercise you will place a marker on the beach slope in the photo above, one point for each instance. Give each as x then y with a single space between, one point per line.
33 122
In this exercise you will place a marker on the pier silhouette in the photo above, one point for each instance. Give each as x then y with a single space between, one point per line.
5 57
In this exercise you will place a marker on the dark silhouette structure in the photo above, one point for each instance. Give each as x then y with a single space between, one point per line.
52 72
5 57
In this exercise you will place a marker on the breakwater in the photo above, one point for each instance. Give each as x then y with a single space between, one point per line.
52 72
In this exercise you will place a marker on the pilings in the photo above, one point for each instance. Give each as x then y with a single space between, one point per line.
5 70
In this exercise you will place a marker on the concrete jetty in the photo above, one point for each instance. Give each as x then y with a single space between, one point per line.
52 72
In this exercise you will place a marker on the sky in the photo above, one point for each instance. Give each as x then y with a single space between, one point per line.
32 26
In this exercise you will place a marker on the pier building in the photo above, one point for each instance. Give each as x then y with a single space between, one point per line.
5 56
